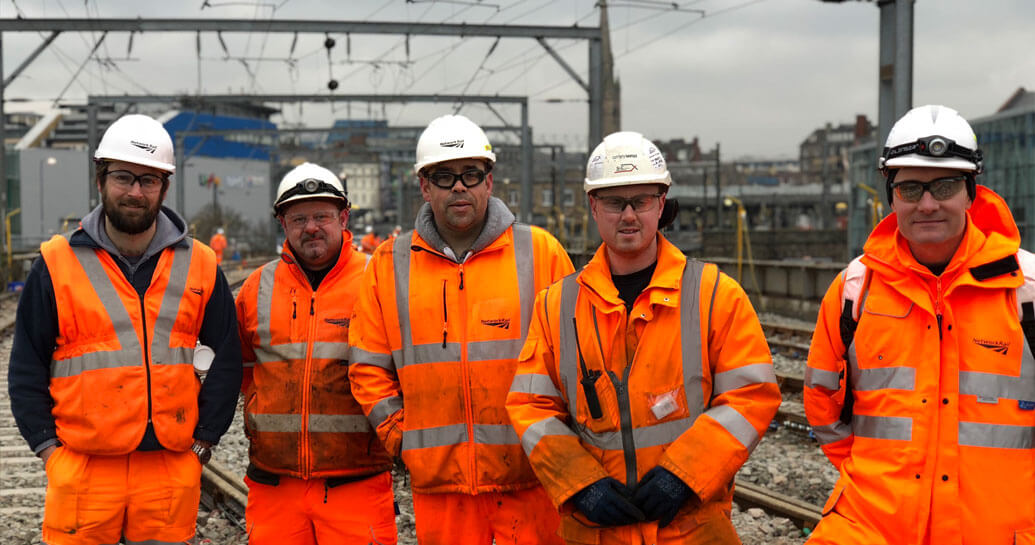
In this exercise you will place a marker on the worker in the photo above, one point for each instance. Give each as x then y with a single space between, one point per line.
437 329
370 241
218 244
317 473
920 381
101 378
646 380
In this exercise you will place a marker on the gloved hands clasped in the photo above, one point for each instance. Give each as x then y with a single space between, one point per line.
606 502
659 497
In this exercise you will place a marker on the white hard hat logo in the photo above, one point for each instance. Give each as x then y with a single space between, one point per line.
150 148
452 144
625 167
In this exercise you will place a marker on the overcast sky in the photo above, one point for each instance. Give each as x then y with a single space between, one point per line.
756 75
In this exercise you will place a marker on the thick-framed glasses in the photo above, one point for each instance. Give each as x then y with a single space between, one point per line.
299 221
445 179
942 189
639 203
124 179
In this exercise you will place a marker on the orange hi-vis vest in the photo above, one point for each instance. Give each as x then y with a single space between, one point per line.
442 338
300 415
122 361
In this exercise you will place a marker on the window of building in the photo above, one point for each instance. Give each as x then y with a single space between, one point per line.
547 198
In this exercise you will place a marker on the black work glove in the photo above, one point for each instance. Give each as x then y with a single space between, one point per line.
660 494
606 502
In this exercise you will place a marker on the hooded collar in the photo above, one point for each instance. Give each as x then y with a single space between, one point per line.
498 218
171 230
990 235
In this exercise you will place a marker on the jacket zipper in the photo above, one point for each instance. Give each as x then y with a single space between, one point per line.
938 306
147 362
445 316
624 410
307 377
465 370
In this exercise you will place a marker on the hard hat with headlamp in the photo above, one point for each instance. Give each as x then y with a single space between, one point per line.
452 137
626 158
931 136
309 181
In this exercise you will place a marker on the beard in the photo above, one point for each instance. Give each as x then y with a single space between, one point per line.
131 222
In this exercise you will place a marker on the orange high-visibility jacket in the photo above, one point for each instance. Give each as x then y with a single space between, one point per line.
685 382
442 337
940 445
300 416
116 353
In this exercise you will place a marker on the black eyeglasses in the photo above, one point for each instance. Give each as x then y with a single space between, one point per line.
124 179
942 189
445 179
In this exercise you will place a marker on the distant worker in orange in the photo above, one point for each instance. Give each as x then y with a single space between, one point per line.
101 378
370 241
317 473
435 338
920 381
218 244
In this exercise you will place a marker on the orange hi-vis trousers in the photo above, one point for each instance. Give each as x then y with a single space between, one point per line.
521 517
307 512
147 496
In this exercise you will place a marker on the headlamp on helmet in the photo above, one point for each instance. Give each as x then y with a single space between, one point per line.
310 186
933 146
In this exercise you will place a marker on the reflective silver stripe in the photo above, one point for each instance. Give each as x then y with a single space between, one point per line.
831 380
644 436
690 335
266 353
755 373
832 432
178 356
989 385
275 422
91 361
330 350
338 423
530 383
899 428
978 434
567 360
735 423
401 267
427 353
129 353
524 260
495 350
879 378
546 427
169 308
441 436
264 303
495 434
377 359
383 409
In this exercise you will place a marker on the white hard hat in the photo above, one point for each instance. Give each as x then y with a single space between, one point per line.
309 181
932 136
368 229
140 140
625 158
452 137
219 230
